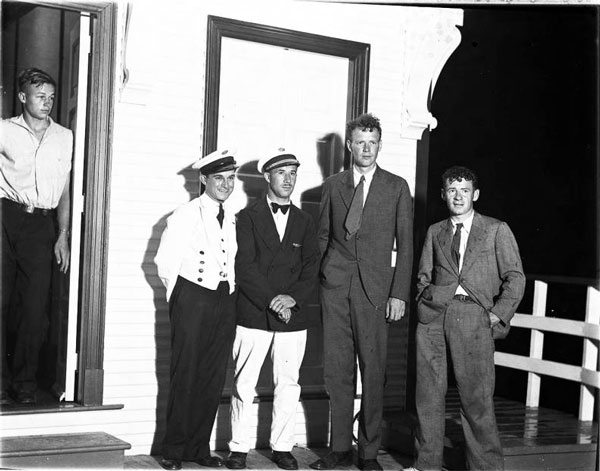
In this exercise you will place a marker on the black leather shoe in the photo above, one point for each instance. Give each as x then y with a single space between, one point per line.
284 459
370 465
333 460
209 461
25 397
170 464
236 460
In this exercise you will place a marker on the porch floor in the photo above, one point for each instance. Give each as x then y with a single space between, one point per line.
532 438
260 460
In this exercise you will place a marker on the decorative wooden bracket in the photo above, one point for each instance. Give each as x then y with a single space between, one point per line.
430 42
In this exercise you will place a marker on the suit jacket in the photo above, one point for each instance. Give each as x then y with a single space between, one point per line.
386 221
186 228
492 273
266 267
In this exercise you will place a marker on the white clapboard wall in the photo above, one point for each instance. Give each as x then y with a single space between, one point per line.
158 123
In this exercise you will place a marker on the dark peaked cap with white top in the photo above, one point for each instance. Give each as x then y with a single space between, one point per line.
218 161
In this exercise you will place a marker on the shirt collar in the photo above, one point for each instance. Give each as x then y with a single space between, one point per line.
269 201
208 203
467 223
368 176
21 122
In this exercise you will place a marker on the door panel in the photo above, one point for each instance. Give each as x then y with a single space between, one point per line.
294 99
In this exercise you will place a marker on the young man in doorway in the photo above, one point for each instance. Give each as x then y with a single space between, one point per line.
35 169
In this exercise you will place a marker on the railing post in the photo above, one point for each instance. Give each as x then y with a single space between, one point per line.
590 354
536 346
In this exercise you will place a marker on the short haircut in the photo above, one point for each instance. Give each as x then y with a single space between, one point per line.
364 122
35 77
459 173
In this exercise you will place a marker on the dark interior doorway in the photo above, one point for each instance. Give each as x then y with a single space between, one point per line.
46 38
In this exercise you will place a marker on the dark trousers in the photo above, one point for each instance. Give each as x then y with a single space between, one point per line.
27 253
463 330
202 332
353 327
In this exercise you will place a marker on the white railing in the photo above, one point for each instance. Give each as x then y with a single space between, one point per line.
587 374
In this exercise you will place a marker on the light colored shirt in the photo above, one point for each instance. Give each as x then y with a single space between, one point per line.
34 172
280 220
464 237
368 179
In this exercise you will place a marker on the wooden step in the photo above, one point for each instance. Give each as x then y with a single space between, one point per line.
69 450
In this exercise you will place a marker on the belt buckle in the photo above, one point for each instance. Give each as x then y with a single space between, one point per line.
29 208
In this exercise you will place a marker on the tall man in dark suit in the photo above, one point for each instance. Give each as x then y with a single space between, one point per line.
276 271
365 235
470 283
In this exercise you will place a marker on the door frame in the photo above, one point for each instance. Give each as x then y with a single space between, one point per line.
357 53
97 176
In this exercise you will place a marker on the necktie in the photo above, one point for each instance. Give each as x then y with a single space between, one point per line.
284 207
354 216
221 215
455 247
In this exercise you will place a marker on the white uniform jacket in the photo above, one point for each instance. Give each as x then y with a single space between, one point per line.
194 246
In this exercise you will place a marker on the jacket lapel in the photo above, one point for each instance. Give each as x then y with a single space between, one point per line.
346 187
265 225
445 241
291 224
376 192
475 242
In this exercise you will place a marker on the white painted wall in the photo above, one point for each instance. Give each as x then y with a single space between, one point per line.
158 126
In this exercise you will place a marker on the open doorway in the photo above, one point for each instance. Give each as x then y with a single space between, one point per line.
75 43
51 39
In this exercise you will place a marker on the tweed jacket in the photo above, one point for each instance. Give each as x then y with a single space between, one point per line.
383 246
266 267
492 273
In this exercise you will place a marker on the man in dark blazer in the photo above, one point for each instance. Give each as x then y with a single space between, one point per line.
470 283
276 271
365 235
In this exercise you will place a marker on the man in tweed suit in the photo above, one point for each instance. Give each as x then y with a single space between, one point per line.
365 235
470 283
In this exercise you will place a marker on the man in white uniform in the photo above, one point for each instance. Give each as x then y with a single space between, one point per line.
195 262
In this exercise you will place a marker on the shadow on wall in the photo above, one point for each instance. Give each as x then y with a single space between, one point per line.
161 311
331 159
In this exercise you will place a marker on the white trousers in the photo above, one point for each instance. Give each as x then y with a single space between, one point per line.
250 349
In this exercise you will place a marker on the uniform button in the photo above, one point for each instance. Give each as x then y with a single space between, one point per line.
201 270
224 263
222 240
202 252
202 262
199 279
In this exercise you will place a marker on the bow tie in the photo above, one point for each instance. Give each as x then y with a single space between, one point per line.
284 207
